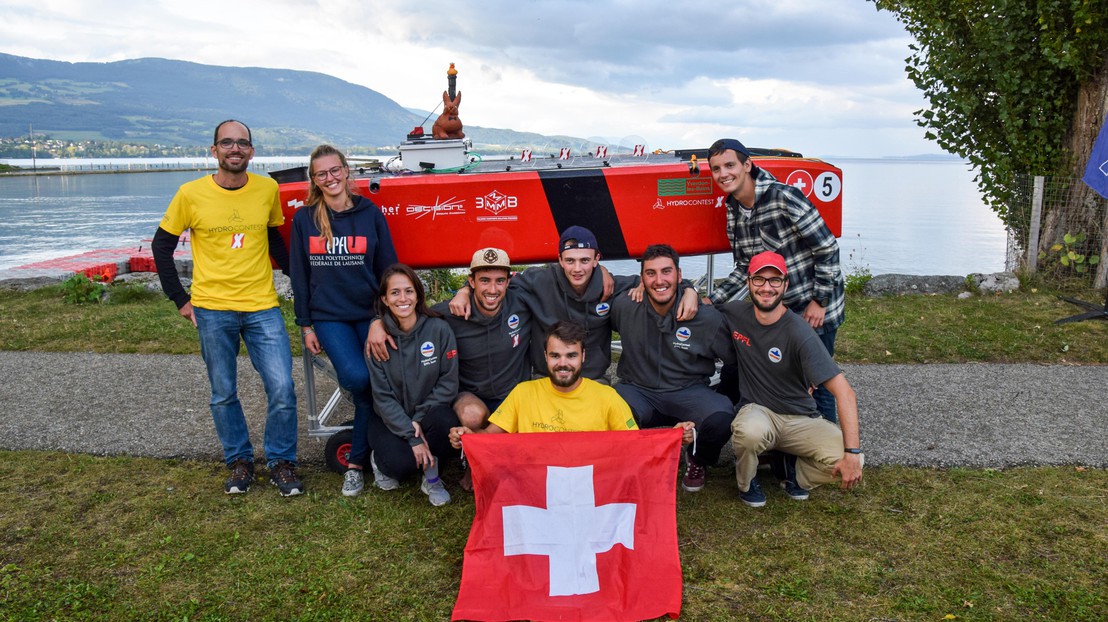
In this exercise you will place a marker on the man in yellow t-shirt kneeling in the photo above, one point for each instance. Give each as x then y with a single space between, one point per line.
564 401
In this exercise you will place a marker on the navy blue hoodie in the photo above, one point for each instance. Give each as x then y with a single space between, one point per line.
339 284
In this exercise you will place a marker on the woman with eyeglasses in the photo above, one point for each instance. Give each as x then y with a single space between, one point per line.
414 389
339 250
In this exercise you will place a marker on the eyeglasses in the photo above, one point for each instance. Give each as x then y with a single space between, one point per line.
774 281
242 143
333 172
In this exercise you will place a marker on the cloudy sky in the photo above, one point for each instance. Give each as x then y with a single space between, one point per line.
824 77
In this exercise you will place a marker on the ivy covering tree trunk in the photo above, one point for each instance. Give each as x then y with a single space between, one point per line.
1016 87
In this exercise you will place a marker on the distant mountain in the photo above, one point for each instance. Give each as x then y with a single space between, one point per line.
154 100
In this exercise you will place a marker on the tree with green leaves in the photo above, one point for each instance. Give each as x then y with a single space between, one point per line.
1016 87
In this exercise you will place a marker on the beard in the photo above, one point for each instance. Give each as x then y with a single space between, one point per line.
573 377
770 306
226 165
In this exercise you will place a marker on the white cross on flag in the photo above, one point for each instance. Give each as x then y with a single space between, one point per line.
572 526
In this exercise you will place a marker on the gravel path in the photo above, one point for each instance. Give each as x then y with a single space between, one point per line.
976 415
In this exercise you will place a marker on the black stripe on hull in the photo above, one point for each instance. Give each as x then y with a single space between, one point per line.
581 197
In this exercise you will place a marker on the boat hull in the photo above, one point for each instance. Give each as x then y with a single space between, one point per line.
438 219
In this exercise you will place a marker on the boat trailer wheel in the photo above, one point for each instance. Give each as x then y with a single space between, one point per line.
337 452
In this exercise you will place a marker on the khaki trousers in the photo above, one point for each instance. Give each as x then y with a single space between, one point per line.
816 442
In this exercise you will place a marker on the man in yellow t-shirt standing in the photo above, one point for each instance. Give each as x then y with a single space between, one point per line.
563 401
233 216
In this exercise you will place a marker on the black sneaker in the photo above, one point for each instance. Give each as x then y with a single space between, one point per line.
242 475
283 476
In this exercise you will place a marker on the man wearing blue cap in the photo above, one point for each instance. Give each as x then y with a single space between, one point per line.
764 214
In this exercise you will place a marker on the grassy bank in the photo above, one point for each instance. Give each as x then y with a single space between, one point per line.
1016 327
140 539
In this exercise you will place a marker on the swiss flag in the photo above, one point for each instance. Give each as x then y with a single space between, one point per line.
572 526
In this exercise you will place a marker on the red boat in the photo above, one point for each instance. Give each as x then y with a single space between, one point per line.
442 201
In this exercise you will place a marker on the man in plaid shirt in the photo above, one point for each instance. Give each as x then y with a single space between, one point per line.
764 214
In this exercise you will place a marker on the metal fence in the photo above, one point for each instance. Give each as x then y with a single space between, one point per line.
1057 227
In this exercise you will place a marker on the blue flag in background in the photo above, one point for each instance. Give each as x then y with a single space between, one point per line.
1096 172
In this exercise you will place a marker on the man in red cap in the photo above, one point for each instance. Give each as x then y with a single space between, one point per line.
780 359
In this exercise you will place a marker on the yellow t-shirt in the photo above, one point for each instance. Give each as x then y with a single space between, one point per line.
230 241
536 406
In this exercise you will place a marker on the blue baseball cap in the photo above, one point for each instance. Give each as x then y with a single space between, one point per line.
729 143
576 237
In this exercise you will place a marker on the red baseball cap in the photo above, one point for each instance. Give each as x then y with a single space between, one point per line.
767 259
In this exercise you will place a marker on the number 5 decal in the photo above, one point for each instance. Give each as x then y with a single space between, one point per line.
828 187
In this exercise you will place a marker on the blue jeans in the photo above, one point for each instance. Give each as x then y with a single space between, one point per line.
267 343
344 343
825 402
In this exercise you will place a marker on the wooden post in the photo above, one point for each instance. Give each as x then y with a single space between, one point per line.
1036 217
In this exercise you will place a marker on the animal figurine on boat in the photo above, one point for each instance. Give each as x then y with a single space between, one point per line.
448 125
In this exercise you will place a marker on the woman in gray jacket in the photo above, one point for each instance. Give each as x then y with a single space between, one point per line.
414 389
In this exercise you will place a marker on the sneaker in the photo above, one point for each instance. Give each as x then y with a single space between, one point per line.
382 481
754 497
242 475
788 482
695 475
435 491
352 483
283 476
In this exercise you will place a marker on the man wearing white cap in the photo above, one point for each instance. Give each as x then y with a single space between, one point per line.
493 342
780 358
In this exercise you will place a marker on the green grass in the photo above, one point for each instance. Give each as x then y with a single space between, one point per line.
129 323
87 538
1008 328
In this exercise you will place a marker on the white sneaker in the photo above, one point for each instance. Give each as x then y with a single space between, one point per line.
352 483
435 492
382 481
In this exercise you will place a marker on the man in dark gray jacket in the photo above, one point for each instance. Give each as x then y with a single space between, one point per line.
492 342
666 364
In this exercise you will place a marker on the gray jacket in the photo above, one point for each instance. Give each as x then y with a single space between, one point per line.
547 291
663 354
492 351
421 374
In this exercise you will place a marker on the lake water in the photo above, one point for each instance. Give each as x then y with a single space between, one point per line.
899 216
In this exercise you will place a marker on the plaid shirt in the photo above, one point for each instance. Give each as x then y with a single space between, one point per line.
783 221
